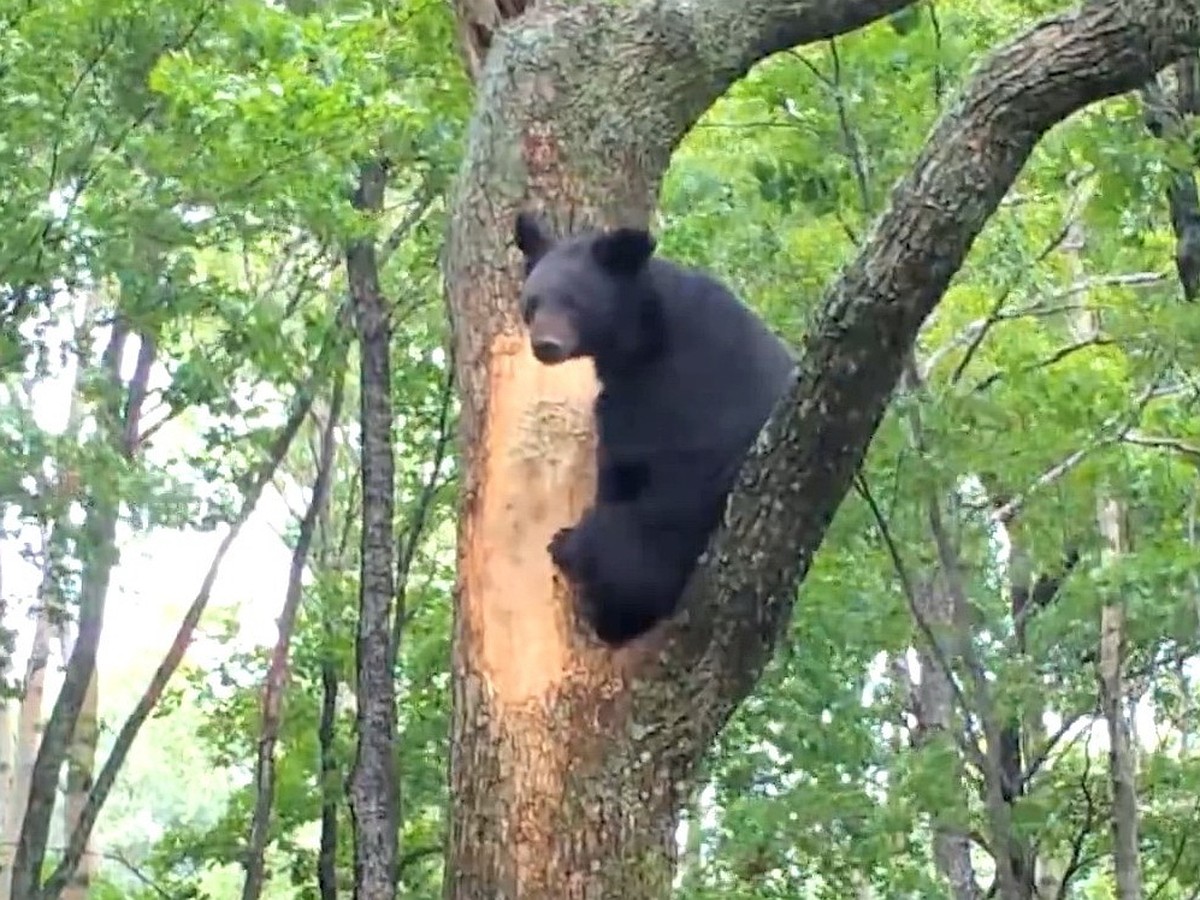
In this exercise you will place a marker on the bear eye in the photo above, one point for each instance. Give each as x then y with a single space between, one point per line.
531 305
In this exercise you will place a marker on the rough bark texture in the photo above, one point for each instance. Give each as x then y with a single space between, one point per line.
29 727
569 761
374 799
1121 762
51 615
331 792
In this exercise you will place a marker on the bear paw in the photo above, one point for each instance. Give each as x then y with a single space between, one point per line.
562 549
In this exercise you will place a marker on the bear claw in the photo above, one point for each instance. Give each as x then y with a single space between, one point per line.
559 547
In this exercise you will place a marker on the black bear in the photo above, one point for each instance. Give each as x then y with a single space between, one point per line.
688 376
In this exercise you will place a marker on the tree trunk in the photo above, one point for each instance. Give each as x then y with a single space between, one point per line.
8 746
1122 763
569 761
100 535
938 603
1025 734
29 728
253 485
1170 114
937 721
50 615
331 790
331 549
81 768
532 704
8 743
374 791
1110 518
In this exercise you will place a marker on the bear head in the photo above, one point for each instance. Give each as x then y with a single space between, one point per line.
589 295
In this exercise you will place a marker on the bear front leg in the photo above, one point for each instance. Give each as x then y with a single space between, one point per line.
618 482
632 579
627 577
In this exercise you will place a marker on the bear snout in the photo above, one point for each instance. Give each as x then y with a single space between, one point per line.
552 338
548 350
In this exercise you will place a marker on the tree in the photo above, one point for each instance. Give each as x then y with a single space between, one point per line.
570 762
205 247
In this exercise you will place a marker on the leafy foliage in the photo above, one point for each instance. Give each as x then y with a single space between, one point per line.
187 171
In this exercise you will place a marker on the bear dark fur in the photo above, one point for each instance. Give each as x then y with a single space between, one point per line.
688 377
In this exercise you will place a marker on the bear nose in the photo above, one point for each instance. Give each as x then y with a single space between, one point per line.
547 349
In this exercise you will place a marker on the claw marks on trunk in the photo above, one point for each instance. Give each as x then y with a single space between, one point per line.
564 200
539 149
541 154
536 477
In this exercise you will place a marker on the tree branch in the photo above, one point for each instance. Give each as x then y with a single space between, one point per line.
419 514
731 37
1165 443
804 461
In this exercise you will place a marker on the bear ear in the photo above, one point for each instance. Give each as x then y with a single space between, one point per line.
623 251
532 239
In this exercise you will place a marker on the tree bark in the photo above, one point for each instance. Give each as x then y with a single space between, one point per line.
1169 114
81 769
81 752
50 615
331 792
1030 593
936 721
569 761
29 722
374 791
8 759
1121 759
